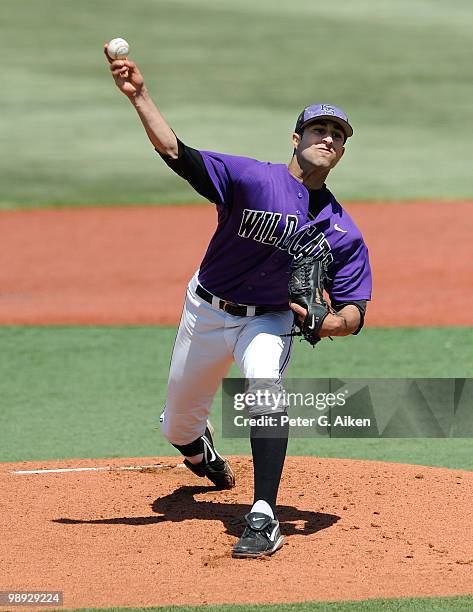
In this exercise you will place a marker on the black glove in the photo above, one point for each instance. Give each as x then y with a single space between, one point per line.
306 286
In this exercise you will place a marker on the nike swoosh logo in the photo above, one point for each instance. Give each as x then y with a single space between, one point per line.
273 534
339 229
213 456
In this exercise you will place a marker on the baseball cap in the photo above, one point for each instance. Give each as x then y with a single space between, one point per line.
323 111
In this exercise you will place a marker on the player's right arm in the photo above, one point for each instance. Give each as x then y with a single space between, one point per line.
130 82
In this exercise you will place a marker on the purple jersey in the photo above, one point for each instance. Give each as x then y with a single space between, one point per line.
263 223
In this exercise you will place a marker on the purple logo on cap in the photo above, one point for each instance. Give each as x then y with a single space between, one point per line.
324 110
329 110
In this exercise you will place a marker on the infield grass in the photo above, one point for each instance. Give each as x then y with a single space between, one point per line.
98 391
434 604
232 76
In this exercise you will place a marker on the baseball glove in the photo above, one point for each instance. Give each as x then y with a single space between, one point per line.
306 286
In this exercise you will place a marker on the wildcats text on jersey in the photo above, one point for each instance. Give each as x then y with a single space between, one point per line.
261 226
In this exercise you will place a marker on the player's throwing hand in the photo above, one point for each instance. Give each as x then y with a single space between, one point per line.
126 75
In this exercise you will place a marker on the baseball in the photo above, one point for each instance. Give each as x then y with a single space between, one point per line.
118 48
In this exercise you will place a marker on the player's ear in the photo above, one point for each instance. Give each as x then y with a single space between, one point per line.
296 138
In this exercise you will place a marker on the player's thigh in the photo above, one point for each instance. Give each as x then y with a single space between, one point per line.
200 359
263 348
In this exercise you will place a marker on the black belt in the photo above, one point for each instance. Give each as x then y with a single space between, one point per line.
237 310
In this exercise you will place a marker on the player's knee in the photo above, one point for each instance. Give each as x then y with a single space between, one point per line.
164 424
169 428
255 412
265 396
180 432
175 436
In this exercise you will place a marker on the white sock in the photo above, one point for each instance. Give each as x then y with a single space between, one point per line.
263 507
195 459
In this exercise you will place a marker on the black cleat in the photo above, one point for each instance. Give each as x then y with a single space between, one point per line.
213 466
261 536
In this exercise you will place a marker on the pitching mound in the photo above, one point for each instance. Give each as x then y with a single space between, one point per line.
158 536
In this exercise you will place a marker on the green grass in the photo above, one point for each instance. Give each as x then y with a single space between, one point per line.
98 391
434 604
232 76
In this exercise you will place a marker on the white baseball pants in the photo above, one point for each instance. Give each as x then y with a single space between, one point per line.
207 341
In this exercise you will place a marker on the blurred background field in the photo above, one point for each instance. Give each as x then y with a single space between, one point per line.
232 76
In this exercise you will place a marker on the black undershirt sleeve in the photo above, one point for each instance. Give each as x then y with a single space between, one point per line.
360 304
190 166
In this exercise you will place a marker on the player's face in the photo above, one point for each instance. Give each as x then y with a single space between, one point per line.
321 144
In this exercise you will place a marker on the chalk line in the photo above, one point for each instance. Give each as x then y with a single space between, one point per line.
96 469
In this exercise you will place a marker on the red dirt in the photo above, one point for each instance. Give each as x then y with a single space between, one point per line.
354 530
130 265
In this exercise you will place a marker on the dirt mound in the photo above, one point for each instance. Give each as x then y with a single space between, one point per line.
159 535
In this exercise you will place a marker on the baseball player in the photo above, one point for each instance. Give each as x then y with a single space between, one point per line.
236 307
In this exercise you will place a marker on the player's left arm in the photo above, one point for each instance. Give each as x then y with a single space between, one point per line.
349 281
348 319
